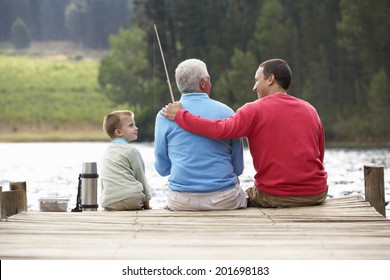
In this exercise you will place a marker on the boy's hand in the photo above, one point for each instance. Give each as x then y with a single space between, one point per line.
146 205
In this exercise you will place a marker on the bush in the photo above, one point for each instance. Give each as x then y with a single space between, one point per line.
20 35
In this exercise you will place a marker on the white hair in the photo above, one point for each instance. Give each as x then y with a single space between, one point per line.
188 75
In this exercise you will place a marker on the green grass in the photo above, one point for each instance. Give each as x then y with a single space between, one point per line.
39 96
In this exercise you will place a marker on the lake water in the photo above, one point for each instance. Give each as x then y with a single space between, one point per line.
53 168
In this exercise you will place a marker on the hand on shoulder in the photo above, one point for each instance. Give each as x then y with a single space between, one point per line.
170 110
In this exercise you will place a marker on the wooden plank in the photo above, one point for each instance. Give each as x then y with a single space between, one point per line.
346 228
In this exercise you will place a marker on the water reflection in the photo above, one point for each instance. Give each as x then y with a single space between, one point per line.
53 168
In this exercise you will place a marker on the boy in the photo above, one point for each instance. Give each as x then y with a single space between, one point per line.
124 185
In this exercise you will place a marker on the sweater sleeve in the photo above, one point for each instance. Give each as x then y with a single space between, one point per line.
218 129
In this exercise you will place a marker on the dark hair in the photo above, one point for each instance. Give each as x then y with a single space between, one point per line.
280 69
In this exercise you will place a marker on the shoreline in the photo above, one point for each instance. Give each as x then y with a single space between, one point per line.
54 136
99 136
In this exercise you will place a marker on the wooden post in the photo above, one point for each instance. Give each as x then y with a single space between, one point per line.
14 200
20 186
374 187
1 203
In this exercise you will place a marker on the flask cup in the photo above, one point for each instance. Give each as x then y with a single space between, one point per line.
89 181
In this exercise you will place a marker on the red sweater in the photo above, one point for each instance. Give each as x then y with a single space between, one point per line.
286 141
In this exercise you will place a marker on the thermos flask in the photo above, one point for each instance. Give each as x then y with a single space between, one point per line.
89 182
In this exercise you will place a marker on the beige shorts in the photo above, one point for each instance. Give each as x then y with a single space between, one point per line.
133 203
257 198
226 200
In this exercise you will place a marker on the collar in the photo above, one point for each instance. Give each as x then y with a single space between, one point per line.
194 94
120 140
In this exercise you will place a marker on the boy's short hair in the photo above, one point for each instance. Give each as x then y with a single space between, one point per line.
113 120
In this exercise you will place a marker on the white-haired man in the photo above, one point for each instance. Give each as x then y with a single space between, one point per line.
203 172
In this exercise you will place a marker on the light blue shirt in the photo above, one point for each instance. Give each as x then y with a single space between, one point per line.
196 163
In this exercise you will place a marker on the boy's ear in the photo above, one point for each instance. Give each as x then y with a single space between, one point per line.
118 132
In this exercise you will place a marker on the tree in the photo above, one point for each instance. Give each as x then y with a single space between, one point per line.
52 19
378 104
91 22
364 27
123 72
127 78
234 86
364 38
275 35
20 34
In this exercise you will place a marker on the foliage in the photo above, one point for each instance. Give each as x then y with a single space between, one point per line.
91 22
234 85
378 105
45 18
20 34
124 72
339 51
126 76
334 47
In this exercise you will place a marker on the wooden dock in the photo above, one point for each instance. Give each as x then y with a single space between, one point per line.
343 228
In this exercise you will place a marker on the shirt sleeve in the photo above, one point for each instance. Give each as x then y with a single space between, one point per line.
232 127
162 161
237 156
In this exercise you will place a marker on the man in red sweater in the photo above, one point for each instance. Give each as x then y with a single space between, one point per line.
285 136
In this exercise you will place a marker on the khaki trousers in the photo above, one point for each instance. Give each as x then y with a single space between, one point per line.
226 200
133 203
257 198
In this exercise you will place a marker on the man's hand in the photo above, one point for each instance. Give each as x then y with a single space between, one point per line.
170 110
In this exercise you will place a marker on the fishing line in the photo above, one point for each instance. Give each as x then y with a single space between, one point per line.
154 75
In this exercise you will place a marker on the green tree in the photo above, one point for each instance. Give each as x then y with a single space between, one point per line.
208 30
74 20
234 86
91 22
20 34
124 71
275 35
364 38
52 19
365 29
378 105
126 77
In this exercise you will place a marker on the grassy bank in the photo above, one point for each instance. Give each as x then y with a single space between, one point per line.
55 136
50 99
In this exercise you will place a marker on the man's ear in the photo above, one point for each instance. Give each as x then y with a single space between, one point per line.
271 79
201 84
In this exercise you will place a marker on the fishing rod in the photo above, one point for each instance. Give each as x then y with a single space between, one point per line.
165 66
